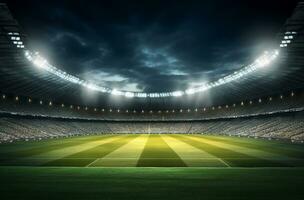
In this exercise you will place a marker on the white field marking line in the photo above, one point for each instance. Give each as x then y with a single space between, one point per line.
243 150
88 165
225 163
135 146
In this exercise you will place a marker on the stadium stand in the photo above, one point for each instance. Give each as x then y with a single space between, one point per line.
289 126
288 102
266 103
280 117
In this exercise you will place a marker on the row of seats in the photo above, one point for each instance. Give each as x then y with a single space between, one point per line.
288 126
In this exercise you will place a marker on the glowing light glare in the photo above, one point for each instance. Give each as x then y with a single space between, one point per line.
129 94
191 91
261 62
276 52
40 62
117 92
266 59
177 93
201 88
142 95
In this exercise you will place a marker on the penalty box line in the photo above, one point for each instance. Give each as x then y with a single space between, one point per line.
88 165
219 159
222 161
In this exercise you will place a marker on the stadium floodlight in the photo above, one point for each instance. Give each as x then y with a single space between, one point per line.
153 95
117 92
190 91
40 62
129 94
142 95
177 93
266 59
262 61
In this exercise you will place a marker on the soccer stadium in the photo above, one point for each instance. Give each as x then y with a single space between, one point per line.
151 100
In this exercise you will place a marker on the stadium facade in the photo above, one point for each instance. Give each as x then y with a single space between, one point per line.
262 98
240 137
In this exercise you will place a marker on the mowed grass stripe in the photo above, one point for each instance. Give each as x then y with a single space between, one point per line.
125 156
17 153
192 156
277 147
90 155
233 158
49 156
55 145
249 151
279 158
157 153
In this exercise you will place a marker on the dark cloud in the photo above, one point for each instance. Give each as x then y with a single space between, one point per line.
150 45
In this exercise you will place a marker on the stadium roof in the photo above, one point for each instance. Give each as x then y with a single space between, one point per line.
18 76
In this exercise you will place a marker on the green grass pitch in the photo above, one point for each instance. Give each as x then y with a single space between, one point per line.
156 166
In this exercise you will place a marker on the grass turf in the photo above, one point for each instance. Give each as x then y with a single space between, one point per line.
155 151
183 167
151 183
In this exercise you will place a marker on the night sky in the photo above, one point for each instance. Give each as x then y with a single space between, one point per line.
151 46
